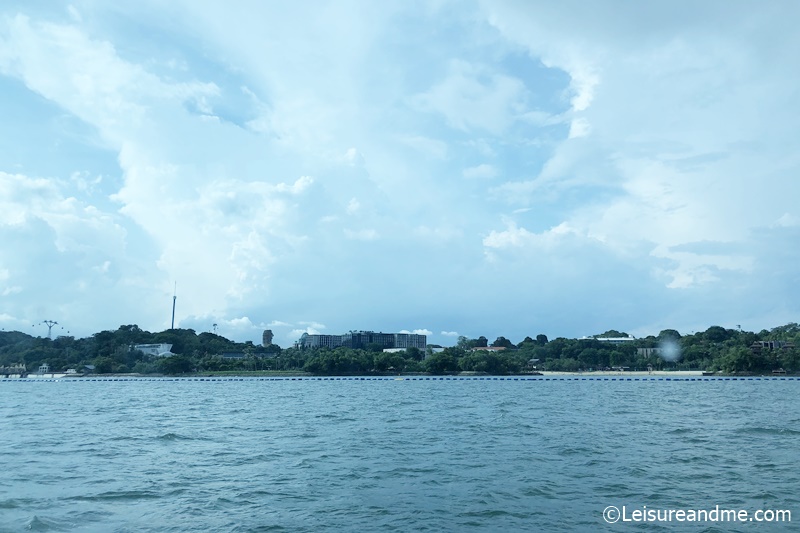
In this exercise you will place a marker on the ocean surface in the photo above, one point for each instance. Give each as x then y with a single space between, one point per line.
394 455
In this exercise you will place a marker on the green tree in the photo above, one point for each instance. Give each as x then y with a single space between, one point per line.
175 364
612 333
414 353
466 344
382 361
736 360
502 342
717 334
669 334
563 365
103 365
143 367
441 363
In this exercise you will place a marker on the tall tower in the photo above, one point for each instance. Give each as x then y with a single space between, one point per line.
49 324
266 338
174 298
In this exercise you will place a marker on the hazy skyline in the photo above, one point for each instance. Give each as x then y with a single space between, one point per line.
454 168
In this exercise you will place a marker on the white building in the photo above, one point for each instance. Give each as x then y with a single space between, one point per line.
157 350
610 340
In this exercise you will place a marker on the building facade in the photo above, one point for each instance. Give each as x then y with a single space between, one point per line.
361 340
610 340
158 350
319 341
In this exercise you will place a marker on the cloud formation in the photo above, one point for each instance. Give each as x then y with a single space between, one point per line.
505 168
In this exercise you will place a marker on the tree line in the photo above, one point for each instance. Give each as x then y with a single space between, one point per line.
715 349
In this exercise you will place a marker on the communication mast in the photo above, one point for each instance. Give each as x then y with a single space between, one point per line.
174 298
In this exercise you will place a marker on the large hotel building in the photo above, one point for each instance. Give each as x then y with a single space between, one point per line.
363 339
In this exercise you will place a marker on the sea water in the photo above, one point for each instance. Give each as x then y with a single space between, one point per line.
394 455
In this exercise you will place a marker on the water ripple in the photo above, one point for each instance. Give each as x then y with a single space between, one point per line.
389 456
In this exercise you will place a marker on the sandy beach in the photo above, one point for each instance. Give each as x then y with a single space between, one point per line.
667 373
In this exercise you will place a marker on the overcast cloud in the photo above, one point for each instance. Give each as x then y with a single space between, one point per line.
451 168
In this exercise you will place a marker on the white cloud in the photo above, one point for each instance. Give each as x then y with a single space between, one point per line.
474 97
450 333
298 187
315 325
482 171
362 234
353 157
297 333
787 220
579 127
438 234
417 331
86 76
431 147
353 206
74 13
518 237
648 147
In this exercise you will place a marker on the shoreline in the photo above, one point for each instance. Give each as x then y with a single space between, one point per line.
637 373
292 374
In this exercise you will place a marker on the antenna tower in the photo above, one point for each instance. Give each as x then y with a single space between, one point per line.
174 297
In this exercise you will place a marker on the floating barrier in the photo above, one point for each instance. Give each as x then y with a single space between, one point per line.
403 378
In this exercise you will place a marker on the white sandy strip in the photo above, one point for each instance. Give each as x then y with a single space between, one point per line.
675 373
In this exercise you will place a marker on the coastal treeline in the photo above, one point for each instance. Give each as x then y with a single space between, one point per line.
715 349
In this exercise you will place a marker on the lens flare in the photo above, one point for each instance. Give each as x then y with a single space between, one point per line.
670 350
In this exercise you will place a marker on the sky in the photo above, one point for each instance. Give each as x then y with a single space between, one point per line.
442 167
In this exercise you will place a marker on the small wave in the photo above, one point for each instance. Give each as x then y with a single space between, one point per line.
765 466
576 451
10 504
172 436
540 492
680 431
689 459
124 438
43 524
768 431
487 513
122 495
303 463
765 496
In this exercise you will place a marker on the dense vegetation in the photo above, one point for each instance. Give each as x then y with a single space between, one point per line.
716 349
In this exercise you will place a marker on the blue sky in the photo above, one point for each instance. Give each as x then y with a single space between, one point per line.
456 168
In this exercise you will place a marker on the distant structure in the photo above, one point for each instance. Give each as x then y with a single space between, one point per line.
49 324
610 340
364 339
649 352
266 338
157 350
17 370
758 346
487 349
174 298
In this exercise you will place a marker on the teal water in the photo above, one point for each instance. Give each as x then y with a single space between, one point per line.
387 455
